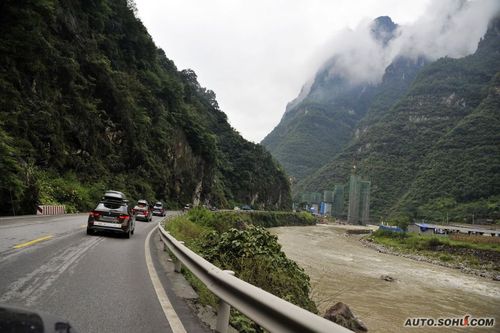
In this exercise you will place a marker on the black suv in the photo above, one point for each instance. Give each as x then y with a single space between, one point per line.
112 214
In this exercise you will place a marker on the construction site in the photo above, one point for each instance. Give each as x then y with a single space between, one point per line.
349 202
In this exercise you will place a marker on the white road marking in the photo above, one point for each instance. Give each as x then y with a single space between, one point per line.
172 317
32 286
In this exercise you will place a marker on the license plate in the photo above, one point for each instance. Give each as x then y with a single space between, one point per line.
108 218
105 224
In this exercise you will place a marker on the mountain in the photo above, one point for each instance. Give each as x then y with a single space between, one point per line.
435 151
323 119
88 103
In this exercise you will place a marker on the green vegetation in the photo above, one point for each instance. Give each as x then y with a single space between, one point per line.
314 130
88 102
434 153
458 250
236 241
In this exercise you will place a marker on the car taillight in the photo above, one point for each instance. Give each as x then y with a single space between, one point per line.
123 217
95 214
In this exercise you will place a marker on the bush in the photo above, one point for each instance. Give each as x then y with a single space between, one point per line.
390 234
432 243
67 190
225 220
256 257
445 257
230 240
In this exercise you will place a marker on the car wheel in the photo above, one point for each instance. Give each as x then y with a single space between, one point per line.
127 234
89 231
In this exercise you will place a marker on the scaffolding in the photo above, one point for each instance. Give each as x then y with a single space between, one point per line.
365 202
328 196
316 198
359 201
338 200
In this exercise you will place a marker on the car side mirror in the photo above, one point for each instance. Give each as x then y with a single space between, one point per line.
15 319
126 201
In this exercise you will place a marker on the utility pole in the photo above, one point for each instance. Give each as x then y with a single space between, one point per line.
472 218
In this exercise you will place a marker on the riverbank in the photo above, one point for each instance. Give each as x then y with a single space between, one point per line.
477 259
342 269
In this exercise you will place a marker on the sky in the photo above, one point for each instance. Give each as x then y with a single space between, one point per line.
257 54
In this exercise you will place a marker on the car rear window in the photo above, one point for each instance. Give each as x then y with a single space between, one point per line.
112 204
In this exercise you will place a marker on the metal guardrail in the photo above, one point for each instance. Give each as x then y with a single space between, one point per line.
50 209
269 311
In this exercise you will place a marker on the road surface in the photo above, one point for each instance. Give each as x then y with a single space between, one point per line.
98 283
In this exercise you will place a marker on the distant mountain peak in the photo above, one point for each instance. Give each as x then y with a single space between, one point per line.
383 29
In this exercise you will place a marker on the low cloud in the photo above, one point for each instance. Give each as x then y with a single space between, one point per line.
449 28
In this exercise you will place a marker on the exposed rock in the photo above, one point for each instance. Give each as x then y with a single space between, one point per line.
496 278
387 278
342 315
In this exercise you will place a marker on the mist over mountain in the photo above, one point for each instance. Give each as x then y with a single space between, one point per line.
448 28
368 81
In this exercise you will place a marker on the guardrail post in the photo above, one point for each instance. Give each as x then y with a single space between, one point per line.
178 264
223 312
165 247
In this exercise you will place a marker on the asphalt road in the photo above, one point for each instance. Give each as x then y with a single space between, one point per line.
98 283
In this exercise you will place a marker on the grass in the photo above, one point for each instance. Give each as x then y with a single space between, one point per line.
443 248
183 229
475 239
412 241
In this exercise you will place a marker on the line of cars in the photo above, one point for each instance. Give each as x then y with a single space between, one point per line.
113 213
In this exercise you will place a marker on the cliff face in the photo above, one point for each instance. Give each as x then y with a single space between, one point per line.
88 102
435 151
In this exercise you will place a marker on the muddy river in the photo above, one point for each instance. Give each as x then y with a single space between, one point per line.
341 269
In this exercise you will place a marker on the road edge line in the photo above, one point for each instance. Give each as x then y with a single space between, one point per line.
172 317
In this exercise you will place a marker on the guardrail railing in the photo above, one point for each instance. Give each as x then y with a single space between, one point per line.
269 311
50 209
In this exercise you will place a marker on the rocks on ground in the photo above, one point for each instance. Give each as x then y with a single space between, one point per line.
343 316
387 278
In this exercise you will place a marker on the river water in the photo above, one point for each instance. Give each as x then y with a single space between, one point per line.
342 269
